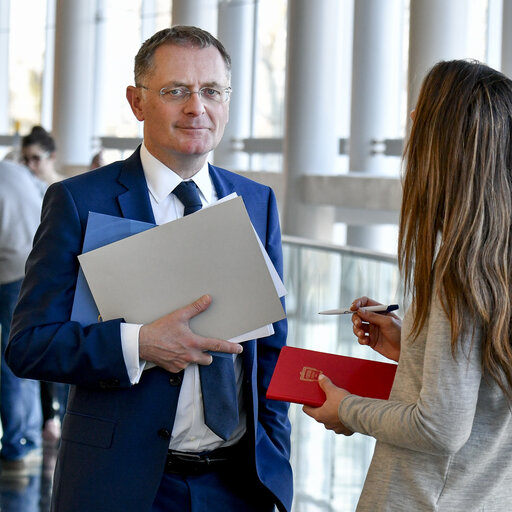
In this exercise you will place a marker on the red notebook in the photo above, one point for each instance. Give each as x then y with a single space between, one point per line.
295 377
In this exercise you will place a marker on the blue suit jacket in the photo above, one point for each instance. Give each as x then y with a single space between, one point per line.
115 436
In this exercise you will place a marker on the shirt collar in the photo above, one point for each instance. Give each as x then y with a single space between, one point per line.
162 180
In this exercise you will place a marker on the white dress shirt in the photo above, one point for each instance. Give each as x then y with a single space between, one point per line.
189 432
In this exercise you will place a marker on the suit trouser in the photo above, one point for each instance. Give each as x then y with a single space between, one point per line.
234 489
20 403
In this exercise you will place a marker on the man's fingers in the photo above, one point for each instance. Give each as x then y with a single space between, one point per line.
205 359
198 306
215 345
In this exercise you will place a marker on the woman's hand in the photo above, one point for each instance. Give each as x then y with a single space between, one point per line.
328 412
377 330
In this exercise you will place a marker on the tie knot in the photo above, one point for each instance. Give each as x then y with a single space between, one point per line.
188 193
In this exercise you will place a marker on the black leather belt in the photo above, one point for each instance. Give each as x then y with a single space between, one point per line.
186 463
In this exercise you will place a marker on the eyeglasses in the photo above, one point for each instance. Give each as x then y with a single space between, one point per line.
34 158
183 94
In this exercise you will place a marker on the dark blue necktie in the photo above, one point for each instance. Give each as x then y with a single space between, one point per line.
218 383
188 193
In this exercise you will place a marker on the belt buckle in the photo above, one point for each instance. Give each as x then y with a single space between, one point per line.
187 463
186 457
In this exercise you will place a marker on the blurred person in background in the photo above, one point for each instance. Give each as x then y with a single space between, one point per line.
98 160
38 153
20 405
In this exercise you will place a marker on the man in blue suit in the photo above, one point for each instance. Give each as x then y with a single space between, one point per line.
134 439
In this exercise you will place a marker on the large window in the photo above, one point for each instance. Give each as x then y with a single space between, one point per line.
120 28
330 469
27 44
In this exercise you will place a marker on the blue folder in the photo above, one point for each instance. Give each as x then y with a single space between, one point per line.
100 230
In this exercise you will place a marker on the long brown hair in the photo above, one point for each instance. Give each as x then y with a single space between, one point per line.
456 219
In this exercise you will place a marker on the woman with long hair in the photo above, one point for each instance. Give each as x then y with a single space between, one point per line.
444 437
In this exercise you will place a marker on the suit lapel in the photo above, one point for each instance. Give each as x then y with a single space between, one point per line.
223 186
134 203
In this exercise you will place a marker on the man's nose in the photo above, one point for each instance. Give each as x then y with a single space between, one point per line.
194 103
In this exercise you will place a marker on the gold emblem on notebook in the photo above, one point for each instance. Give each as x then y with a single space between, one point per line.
309 374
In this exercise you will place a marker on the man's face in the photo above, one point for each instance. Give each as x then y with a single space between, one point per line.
181 133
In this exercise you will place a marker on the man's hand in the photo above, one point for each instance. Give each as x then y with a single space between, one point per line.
169 343
328 412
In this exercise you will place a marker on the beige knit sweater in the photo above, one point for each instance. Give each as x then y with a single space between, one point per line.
444 437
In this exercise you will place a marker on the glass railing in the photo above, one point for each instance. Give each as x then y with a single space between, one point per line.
329 469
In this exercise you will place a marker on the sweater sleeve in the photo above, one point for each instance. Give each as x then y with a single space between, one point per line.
434 396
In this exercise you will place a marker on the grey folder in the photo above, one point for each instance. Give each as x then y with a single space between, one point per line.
214 251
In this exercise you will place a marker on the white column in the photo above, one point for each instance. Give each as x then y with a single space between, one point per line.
494 35
147 29
200 13
506 48
376 96
147 22
438 31
345 44
100 67
49 68
73 98
5 8
376 80
236 32
311 142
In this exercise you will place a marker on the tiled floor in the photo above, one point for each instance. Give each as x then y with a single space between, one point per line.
29 493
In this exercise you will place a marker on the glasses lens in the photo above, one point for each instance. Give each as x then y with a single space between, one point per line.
210 94
206 94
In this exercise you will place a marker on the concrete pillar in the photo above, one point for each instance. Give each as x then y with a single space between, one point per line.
73 86
147 21
376 80
5 9
506 47
201 13
376 94
438 31
345 44
49 68
494 34
236 30
100 67
310 142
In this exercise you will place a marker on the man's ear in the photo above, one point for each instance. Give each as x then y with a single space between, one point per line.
134 97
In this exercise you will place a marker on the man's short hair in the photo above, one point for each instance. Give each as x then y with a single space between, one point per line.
180 35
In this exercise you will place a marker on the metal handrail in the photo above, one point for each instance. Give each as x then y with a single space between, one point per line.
340 249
